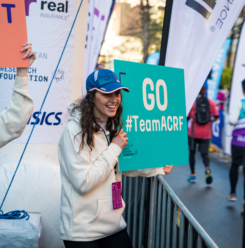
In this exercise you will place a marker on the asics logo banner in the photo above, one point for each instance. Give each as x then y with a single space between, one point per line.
200 8
45 118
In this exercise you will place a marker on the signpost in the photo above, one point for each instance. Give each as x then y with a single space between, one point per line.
154 116
13 33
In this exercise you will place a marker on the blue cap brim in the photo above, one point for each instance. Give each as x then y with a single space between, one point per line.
110 88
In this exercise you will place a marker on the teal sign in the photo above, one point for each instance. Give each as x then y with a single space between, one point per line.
154 116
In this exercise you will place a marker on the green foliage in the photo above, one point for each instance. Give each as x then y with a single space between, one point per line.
156 33
226 77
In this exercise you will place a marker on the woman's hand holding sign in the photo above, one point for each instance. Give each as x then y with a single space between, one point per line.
167 169
120 139
29 54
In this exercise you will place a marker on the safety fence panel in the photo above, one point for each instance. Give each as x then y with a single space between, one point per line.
156 218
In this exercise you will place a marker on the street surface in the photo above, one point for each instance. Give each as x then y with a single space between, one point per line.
222 220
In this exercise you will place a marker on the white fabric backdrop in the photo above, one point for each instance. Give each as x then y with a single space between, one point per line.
195 40
98 15
48 27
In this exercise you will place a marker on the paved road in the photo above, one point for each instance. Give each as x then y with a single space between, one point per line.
222 220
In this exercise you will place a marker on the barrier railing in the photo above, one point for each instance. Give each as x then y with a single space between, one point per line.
156 218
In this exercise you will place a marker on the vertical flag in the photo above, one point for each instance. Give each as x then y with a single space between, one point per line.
236 86
217 69
239 71
198 30
99 13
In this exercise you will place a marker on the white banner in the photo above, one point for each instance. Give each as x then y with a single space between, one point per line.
48 25
236 85
99 12
198 30
239 71
228 135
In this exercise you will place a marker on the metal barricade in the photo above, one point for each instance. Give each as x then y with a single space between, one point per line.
156 218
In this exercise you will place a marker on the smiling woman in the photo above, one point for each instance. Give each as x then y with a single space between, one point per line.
91 203
99 107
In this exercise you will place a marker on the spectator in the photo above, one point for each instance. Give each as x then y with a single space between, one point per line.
221 99
88 153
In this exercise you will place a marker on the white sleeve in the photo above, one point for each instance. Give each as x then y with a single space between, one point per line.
14 119
235 112
144 172
84 174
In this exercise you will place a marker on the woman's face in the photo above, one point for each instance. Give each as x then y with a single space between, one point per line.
106 105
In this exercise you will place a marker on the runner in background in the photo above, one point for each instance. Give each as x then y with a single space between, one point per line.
237 118
221 99
202 114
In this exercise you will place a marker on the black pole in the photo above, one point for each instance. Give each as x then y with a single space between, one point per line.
165 31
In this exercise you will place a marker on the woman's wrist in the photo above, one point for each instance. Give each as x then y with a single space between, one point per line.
22 72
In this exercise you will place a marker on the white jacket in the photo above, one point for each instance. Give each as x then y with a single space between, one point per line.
235 112
86 196
14 119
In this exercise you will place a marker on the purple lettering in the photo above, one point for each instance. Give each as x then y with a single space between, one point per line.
96 12
27 5
8 7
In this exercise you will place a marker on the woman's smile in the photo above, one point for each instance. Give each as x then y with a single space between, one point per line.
106 105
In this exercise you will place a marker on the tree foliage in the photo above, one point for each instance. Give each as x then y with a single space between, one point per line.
146 24
226 77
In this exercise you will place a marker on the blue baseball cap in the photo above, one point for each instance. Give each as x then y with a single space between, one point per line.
105 81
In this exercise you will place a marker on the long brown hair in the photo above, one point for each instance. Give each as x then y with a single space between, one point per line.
88 121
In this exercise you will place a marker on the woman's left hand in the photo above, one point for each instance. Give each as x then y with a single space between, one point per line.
167 169
27 47
29 54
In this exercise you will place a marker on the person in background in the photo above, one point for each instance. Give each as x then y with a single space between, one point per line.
14 118
203 113
221 99
88 151
99 66
237 118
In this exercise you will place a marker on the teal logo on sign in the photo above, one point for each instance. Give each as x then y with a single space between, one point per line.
154 116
